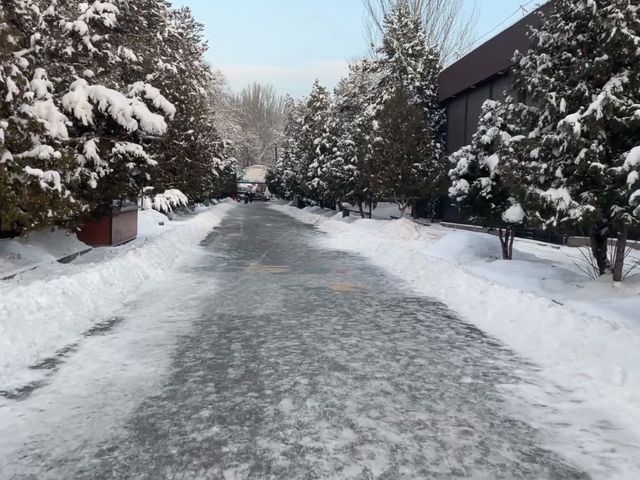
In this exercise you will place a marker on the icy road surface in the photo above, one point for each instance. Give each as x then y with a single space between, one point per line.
270 359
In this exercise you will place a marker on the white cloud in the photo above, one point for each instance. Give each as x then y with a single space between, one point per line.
295 81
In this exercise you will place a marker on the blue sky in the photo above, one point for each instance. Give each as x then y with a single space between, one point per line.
289 43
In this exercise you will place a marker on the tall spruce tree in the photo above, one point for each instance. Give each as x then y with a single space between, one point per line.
355 118
189 154
314 149
285 177
407 69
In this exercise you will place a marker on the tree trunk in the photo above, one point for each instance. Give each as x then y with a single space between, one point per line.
621 252
600 245
511 241
502 243
401 203
361 208
507 237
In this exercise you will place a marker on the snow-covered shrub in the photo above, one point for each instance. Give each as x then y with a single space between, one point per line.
165 202
482 176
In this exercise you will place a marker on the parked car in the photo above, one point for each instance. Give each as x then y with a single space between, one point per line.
260 197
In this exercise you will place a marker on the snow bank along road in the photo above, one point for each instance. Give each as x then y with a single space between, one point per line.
265 356
45 310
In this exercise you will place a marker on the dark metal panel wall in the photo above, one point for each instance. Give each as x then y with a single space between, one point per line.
456 119
475 100
501 86
490 58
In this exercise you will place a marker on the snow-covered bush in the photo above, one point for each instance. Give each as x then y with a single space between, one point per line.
165 202
482 176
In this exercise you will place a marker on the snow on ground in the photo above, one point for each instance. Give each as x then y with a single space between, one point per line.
46 309
386 210
40 248
583 334
383 210
96 389
48 246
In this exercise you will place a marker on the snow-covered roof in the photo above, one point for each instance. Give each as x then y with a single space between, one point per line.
254 174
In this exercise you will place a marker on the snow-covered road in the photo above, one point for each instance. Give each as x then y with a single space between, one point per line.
268 357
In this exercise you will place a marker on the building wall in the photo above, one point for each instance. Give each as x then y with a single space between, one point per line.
480 75
463 111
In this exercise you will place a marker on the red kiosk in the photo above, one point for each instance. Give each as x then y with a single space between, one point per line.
121 226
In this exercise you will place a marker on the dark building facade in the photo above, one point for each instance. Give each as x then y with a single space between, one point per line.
483 74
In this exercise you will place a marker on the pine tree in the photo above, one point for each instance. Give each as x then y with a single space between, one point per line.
406 68
631 169
113 116
582 79
355 118
313 146
405 141
189 154
482 177
331 171
33 192
285 177
91 89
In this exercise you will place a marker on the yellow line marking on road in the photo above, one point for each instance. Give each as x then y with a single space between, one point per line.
345 287
275 269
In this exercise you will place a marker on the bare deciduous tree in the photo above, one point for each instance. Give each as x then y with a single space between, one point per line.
225 111
250 122
448 27
260 115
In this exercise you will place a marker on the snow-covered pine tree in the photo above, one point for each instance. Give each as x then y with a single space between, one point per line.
404 141
482 176
226 179
583 79
631 169
189 154
314 151
407 68
285 178
355 119
112 118
332 171
33 192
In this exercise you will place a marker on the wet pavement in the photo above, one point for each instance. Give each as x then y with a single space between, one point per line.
271 358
